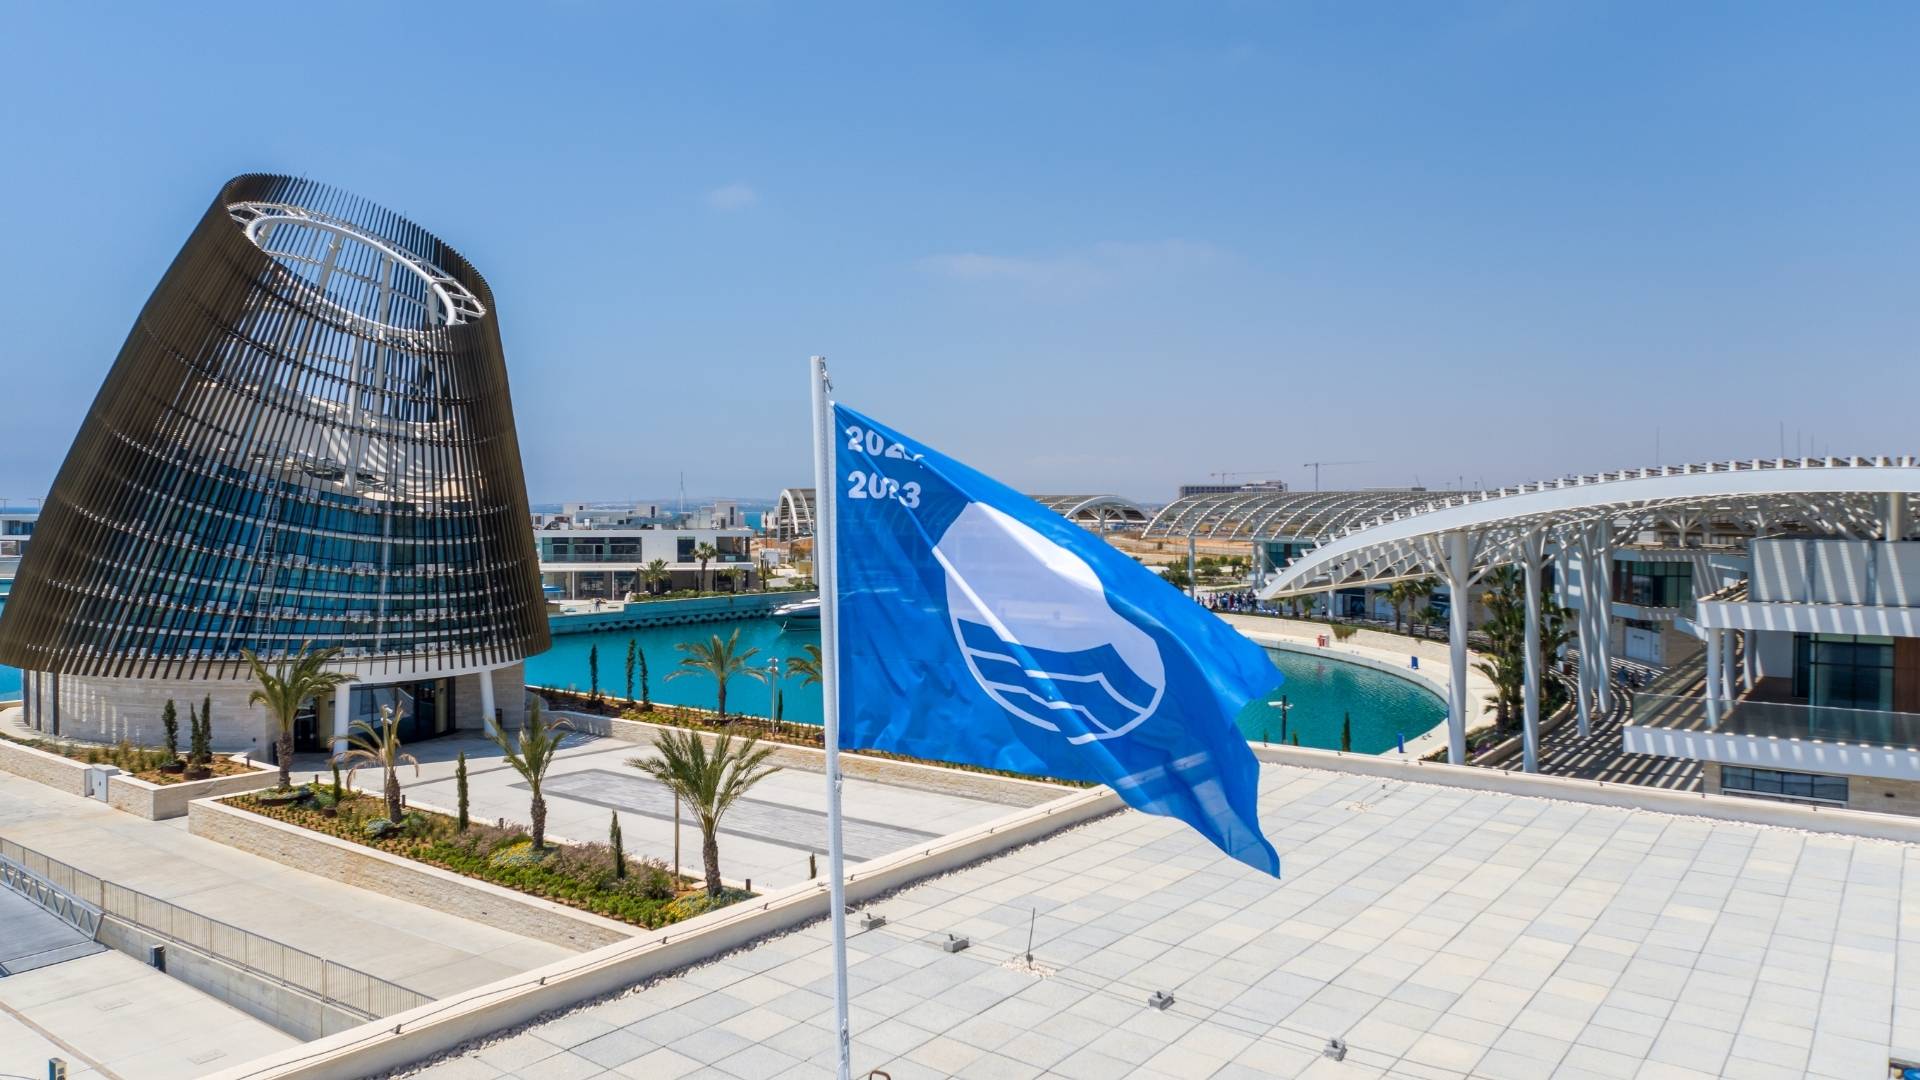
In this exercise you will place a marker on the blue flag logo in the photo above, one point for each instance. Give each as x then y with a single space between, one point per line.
978 627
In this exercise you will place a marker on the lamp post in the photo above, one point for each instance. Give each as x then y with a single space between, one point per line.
1284 706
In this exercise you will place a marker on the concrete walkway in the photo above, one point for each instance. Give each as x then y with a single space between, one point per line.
433 953
765 838
109 1016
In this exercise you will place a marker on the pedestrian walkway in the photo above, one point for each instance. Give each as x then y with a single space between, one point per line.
1598 755
433 953
110 1017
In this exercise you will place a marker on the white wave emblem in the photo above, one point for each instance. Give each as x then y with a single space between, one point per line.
1033 622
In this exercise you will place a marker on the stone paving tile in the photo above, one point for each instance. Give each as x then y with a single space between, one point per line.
1443 934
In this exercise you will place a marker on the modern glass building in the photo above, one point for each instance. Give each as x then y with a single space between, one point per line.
307 438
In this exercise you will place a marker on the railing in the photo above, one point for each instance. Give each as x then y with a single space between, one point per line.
1780 720
58 902
335 984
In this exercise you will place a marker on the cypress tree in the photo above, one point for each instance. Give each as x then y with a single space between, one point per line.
645 704
460 788
593 671
1346 733
619 853
633 650
170 720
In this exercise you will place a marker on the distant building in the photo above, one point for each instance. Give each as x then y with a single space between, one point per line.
307 440
1189 490
609 562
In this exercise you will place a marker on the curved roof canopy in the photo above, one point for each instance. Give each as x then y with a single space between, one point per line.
1098 510
793 515
1832 496
1276 515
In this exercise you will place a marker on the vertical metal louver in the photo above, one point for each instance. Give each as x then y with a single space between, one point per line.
307 437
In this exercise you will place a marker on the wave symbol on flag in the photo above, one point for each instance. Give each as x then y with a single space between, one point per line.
1039 634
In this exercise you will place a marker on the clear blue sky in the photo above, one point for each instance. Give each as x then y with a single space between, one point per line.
1084 246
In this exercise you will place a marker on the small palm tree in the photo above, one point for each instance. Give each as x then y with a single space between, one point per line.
807 667
531 755
722 659
705 553
708 782
292 682
657 576
379 749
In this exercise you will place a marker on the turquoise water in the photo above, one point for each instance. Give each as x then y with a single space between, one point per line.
1319 690
9 678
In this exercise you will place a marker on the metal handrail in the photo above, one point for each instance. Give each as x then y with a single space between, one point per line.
63 905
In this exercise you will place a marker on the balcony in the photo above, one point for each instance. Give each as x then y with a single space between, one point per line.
1759 728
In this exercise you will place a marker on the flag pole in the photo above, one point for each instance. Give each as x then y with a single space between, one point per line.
825 578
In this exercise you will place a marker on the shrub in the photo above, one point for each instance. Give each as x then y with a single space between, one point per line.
378 829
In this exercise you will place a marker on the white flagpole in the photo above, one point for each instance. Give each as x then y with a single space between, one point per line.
825 577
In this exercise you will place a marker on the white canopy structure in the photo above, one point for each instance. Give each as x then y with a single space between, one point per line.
793 512
1580 520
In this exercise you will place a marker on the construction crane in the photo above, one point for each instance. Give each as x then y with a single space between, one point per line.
1316 466
1223 477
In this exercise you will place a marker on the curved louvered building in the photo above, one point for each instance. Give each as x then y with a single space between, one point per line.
307 438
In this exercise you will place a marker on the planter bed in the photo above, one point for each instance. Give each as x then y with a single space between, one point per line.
149 794
576 875
812 736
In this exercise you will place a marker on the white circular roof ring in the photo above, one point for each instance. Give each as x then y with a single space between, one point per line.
451 302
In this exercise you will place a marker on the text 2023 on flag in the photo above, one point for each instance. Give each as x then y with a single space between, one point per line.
976 626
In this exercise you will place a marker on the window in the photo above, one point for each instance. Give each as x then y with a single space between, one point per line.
1843 671
1654 584
1788 786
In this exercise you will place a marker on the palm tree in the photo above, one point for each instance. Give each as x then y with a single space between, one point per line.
531 756
380 749
808 666
705 553
710 783
656 574
721 659
293 681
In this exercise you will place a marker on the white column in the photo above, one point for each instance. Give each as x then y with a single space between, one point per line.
1603 616
1459 558
1713 678
1746 660
342 717
1583 634
486 701
1193 580
1530 710
1727 665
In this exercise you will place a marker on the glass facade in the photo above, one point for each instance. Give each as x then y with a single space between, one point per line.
1654 584
1790 786
1843 670
307 438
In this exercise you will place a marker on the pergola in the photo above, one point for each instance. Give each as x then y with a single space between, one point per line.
1580 520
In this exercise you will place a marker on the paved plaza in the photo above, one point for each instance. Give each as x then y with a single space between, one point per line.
1441 933
766 838
424 950
110 1016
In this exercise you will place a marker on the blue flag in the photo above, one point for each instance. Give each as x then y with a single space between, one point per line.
976 626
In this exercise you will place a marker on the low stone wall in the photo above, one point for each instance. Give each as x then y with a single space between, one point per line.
404 1038
1005 790
405 879
44 767
129 794
157 802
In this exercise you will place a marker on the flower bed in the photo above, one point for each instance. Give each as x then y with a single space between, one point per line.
577 875
144 762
